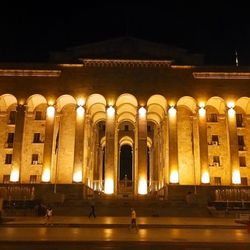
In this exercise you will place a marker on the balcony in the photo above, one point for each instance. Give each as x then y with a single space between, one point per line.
9 145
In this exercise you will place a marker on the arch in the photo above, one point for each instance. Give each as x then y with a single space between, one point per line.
34 101
94 99
64 100
103 142
158 100
126 140
98 116
126 107
7 100
188 102
126 98
243 103
126 117
218 103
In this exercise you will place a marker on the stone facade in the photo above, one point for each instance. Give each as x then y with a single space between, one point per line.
185 125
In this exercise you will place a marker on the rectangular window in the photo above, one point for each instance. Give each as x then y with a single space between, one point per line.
38 115
34 159
212 118
12 117
36 138
216 161
8 159
239 120
10 140
241 143
243 181
215 140
6 179
242 161
217 181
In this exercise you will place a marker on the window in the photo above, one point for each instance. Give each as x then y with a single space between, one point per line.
239 120
34 159
6 179
215 140
243 181
38 115
10 140
12 117
242 161
8 158
216 161
36 138
241 143
217 180
212 118
126 128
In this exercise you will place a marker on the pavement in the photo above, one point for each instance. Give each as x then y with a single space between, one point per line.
121 222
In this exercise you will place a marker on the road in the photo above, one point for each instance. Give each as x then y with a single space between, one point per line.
121 238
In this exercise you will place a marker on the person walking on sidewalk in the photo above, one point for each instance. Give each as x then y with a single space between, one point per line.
92 209
48 216
133 223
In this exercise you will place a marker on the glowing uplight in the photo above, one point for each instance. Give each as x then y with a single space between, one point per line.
142 111
231 112
51 111
172 111
174 177
230 104
80 102
77 177
109 186
80 111
46 175
142 188
236 177
14 176
205 178
110 111
202 111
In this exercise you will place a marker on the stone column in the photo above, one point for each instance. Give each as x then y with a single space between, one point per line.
142 151
205 179
17 144
48 144
100 161
79 140
173 146
109 152
233 146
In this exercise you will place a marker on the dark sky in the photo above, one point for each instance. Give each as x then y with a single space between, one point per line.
30 31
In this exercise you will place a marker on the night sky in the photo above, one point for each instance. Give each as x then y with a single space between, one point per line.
30 31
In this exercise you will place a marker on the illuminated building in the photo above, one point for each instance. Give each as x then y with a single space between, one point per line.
69 121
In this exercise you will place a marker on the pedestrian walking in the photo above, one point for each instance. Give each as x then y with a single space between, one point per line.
92 209
48 216
133 224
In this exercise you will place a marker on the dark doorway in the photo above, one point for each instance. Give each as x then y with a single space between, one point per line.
148 164
103 164
126 162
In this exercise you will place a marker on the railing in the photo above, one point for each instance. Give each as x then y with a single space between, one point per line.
125 186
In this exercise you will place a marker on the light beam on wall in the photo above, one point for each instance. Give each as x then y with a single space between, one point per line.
142 188
46 175
51 111
109 186
14 175
174 177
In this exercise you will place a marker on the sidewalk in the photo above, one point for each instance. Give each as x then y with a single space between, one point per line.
120 222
